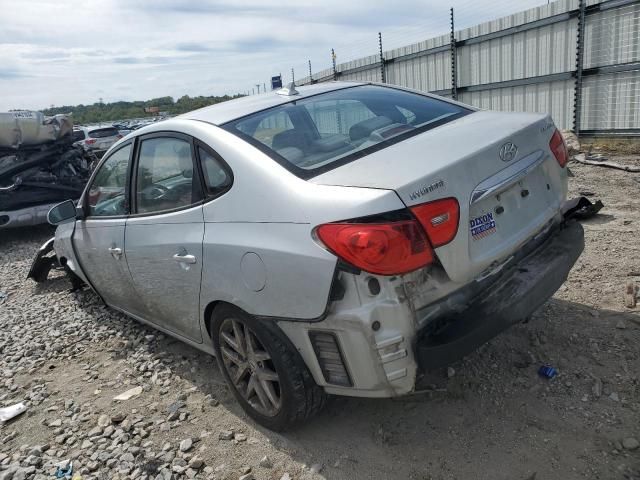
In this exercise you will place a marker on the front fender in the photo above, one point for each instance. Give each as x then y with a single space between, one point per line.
65 251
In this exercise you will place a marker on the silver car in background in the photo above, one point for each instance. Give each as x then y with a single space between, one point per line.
339 239
96 139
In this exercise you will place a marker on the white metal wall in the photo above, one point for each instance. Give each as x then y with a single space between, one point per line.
612 37
555 98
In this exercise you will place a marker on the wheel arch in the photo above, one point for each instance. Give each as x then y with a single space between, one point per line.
208 315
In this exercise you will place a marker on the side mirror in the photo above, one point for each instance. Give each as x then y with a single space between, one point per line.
62 212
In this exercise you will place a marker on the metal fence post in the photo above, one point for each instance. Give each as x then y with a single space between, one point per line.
382 65
333 62
577 92
454 55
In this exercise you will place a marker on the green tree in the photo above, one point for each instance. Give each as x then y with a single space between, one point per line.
109 112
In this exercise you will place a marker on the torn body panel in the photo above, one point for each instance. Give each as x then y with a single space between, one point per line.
403 325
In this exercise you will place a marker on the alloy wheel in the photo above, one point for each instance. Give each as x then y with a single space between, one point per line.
250 367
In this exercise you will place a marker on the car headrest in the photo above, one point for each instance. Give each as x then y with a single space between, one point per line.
366 127
289 138
292 154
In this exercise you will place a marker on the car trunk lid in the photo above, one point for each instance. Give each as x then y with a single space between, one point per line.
497 165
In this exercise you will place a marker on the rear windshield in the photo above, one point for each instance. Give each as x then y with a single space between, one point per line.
316 134
78 135
103 132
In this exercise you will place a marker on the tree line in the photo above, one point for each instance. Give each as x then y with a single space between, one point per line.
108 112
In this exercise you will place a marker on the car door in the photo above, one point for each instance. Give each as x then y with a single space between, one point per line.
163 236
98 239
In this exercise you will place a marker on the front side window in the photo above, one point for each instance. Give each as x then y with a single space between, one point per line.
106 195
325 131
165 177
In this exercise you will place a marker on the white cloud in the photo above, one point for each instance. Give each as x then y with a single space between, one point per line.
65 52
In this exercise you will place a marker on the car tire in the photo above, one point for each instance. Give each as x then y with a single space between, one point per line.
292 399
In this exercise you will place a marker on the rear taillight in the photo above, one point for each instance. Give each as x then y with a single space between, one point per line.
90 141
559 149
394 247
439 219
391 248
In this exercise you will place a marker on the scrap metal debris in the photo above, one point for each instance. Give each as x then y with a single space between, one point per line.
547 371
7 413
582 158
38 164
581 208
64 469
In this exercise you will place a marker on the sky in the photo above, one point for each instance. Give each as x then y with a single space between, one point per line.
68 52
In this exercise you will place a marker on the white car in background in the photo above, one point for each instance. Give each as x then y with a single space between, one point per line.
96 139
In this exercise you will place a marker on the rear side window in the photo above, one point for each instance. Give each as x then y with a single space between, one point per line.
78 135
216 177
103 133
316 134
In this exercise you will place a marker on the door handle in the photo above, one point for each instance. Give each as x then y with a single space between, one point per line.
184 258
115 252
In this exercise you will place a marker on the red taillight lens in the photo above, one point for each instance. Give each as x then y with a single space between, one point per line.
382 248
90 141
439 219
559 149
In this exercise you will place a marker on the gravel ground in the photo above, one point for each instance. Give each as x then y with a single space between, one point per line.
489 417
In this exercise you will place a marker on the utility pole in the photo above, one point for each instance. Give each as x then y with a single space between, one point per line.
454 55
577 95
258 87
333 61
293 78
382 72
310 74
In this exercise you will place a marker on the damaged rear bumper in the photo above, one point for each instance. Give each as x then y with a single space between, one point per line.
520 290
381 342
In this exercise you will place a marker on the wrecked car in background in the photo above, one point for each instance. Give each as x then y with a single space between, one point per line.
96 139
39 166
340 238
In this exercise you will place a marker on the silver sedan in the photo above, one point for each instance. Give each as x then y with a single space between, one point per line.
338 239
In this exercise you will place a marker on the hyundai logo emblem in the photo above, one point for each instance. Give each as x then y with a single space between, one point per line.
508 152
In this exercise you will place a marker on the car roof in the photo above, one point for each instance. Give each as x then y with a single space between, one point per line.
233 109
99 127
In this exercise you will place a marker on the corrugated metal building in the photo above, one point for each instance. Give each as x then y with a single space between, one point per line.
527 62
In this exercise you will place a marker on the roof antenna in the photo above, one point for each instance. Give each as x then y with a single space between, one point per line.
289 90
